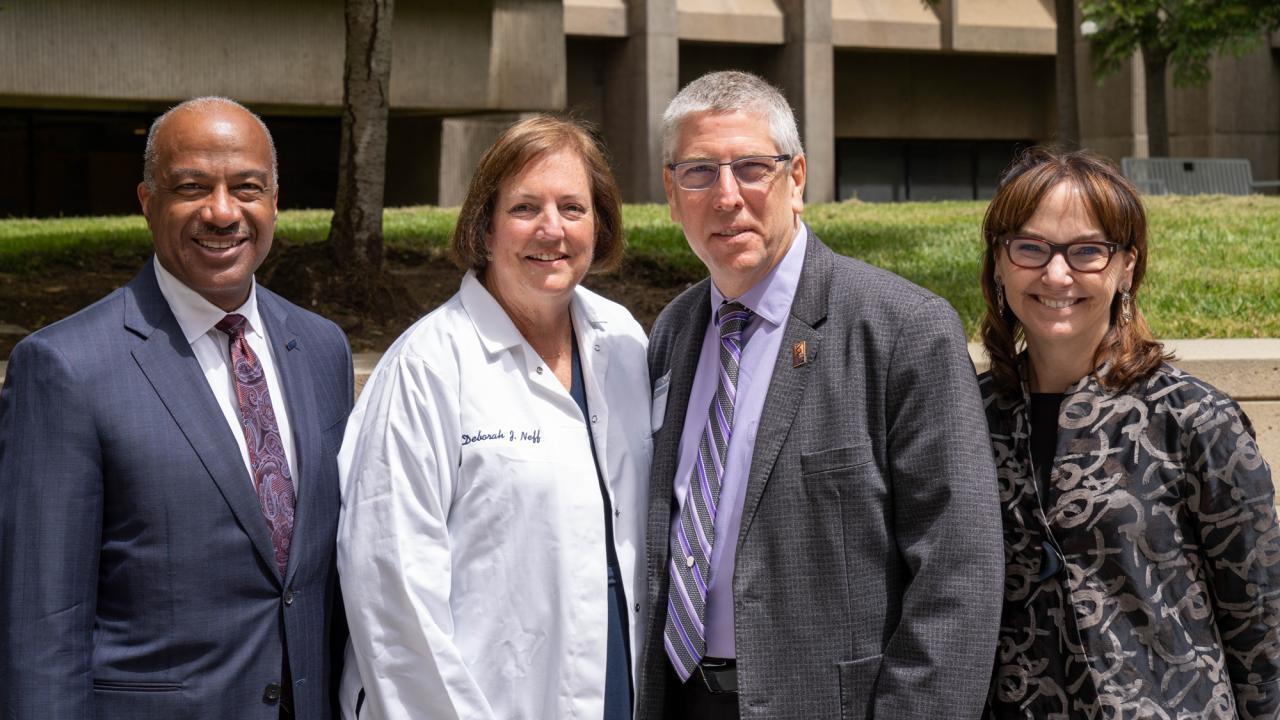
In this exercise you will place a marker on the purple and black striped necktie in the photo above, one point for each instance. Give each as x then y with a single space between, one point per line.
267 458
695 535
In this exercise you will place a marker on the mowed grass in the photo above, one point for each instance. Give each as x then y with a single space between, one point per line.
1214 267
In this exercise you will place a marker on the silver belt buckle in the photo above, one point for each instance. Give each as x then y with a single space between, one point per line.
720 676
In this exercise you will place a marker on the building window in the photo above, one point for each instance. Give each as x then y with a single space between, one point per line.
898 170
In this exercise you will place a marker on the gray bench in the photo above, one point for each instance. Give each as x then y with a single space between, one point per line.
1193 176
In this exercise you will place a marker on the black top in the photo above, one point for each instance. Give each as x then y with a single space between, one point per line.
617 691
1044 437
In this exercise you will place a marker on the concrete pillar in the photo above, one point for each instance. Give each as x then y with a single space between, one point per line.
642 79
462 141
527 55
805 72
1237 114
1113 116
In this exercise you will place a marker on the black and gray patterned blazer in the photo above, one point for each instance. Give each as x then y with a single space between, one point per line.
1167 601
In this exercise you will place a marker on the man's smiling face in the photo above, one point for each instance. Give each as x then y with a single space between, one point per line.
740 232
212 211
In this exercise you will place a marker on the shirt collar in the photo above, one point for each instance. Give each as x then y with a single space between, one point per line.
771 297
196 315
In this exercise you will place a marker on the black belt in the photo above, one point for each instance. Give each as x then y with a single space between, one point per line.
719 675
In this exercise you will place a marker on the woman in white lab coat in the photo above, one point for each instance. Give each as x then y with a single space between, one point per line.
493 473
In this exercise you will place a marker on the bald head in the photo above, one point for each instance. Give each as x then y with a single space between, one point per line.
213 105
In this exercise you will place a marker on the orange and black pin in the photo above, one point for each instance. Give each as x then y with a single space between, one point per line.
799 354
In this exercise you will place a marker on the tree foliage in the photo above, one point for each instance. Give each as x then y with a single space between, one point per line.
1184 33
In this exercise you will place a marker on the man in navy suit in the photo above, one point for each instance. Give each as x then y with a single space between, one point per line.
168 483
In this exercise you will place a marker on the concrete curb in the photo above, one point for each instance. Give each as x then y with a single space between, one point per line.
1246 369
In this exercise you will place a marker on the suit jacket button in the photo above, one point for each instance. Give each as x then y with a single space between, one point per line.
288 597
271 693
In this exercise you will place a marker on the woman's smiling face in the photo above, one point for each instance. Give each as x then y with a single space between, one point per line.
1062 309
543 234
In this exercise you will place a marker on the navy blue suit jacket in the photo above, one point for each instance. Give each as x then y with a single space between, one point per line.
137 577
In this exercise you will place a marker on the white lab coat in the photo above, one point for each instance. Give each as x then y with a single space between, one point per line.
471 544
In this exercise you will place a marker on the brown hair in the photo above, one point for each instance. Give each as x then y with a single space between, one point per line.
519 145
1115 207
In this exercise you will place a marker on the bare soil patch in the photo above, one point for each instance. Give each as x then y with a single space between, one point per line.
416 284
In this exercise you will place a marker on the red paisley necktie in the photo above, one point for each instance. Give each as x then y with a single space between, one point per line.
270 467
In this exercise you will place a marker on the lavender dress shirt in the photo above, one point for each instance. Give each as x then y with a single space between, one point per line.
770 300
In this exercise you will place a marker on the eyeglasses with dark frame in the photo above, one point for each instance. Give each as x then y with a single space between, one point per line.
704 174
1086 257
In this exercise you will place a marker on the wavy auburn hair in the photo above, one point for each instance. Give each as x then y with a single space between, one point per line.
519 145
1130 348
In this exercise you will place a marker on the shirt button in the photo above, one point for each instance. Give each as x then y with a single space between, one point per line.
637 607
271 694
539 369
288 597
597 348
688 562
617 512
594 418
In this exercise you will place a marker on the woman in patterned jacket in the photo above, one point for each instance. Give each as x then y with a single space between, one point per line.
1142 550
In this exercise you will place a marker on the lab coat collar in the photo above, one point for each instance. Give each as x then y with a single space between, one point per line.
494 327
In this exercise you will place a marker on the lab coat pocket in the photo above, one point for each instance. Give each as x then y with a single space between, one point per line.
658 405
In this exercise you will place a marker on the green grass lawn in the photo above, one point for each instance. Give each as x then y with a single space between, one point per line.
1214 269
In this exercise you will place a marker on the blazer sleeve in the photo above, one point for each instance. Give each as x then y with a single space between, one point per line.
399 471
51 491
1232 502
947 522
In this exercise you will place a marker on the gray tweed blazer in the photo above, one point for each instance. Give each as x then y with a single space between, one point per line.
869 566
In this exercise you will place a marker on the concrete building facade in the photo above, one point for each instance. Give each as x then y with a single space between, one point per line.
896 99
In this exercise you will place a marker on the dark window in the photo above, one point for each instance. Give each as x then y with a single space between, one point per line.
90 163
895 170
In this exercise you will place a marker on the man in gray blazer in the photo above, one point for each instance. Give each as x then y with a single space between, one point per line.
168 473
824 534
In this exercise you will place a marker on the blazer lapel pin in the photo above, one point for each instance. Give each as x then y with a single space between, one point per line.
799 354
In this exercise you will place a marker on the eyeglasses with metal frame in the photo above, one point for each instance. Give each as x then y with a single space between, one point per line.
704 174
1085 257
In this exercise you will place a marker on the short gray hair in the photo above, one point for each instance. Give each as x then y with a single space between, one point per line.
731 91
206 102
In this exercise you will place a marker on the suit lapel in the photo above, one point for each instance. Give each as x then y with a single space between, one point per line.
291 365
787 386
684 351
166 359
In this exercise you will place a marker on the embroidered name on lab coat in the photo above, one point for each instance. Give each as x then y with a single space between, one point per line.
527 436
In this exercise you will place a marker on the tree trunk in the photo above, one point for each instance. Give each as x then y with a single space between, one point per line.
355 235
1154 63
1068 104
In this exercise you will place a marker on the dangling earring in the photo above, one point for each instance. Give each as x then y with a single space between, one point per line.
1000 298
1126 308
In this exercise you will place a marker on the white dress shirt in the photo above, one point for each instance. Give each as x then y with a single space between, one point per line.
471 544
198 317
